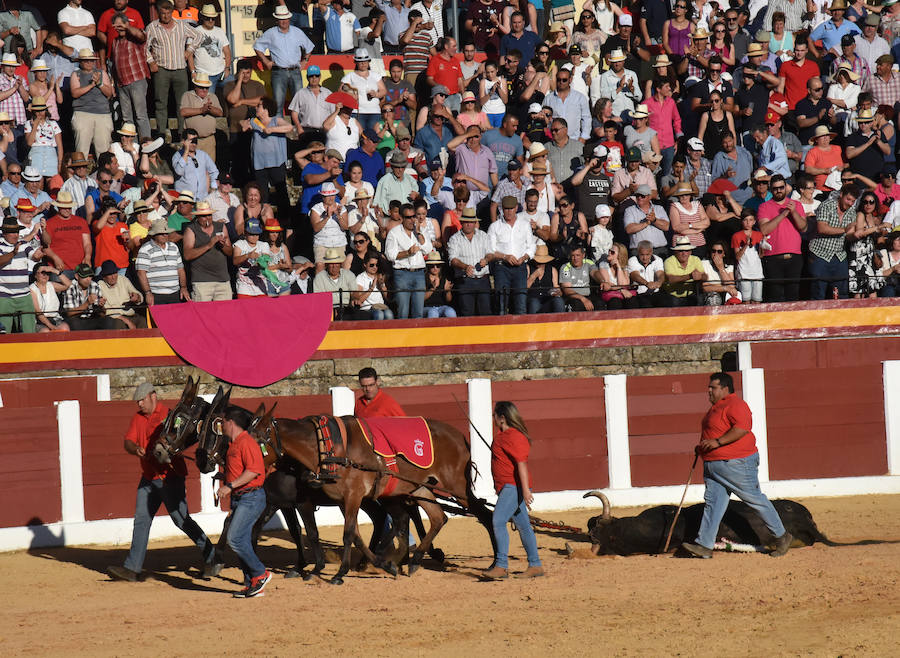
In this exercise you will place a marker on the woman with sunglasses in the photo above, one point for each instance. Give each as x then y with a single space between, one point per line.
537 80
568 228
588 34
721 43
279 260
371 290
719 286
45 295
714 125
676 32
342 130
438 288
44 136
688 218
470 115
861 239
361 249
614 279
386 129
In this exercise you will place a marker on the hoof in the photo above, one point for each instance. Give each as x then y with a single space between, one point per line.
293 573
412 568
436 554
336 581
391 568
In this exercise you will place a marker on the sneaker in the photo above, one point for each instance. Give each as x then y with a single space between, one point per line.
258 584
782 544
241 593
495 573
533 572
697 550
123 573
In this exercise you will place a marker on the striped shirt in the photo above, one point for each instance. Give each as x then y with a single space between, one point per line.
130 59
434 15
417 53
75 296
78 188
161 265
166 47
14 275
469 251
14 106
507 188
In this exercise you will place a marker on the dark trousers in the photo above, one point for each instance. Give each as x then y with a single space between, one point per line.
276 177
782 273
828 274
474 296
510 283
167 298
88 324
578 305
671 301
545 305
618 303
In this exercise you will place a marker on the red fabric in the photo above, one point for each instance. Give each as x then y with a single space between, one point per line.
381 405
795 77
110 245
730 411
144 431
65 238
234 339
445 72
508 449
244 455
740 238
720 186
409 437
105 24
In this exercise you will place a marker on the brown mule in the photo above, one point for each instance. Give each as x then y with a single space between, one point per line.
358 473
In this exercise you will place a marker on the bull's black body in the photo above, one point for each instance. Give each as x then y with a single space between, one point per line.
646 532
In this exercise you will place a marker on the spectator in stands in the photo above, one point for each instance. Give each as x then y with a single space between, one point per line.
470 253
399 93
84 304
782 221
749 271
91 91
772 155
33 191
869 45
329 224
544 293
844 92
246 255
646 222
16 304
866 148
688 218
367 158
207 250
428 226
617 291
406 248
200 108
139 229
513 245
242 96
683 271
371 288
575 278
153 165
861 247
396 15
288 48
184 213
111 236
573 106
889 257
341 284
309 109
719 287
126 47
514 184
44 138
168 41
828 262
885 84
417 43
342 130
277 267
438 288
127 151
269 149
369 88
196 172
633 175
645 270
45 294
213 54
444 70
224 202
399 185
67 238
120 297
22 20
341 27
436 134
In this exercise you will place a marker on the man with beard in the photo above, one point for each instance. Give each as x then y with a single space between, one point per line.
591 181
782 221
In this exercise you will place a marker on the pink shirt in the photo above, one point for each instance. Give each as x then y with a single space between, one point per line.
785 239
665 120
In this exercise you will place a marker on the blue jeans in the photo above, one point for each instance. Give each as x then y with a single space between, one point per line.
739 477
368 120
214 82
410 293
828 273
245 511
440 312
169 492
281 80
382 314
511 505
668 154
511 283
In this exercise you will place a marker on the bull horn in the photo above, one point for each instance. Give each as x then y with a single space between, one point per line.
603 499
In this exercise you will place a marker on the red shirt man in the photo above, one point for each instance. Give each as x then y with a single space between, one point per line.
374 402
67 238
444 69
244 455
104 25
144 433
795 73
729 412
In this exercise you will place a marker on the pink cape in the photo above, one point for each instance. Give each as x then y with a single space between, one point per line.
247 342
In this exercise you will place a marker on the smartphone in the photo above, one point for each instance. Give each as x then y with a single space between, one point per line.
750 105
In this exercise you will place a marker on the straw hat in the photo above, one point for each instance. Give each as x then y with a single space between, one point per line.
78 160
616 55
542 254
160 226
38 103
64 200
185 196
845 67
821 131
865 116
434 258
536 150
662 60
128 130
203 208
468 215
682 243
683 189
333 255
556 26
282 12
362 193
755 49
9 59
838 4
209 11
201 79
39 65
87 53
538 171
700 33
640 112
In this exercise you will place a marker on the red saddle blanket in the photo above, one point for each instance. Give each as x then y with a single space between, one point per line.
410 437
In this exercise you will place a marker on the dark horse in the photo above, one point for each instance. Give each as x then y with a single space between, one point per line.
359 474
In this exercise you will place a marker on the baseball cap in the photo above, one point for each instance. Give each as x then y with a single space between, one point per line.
534 108
313 70
602 210
625 19
435 164
253 226
633 155
600 151
696 143
513 164
370 134
847 40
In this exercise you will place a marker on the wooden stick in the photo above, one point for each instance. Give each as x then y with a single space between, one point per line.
683 495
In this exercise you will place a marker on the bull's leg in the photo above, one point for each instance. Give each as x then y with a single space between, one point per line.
437 519
290 516
307 514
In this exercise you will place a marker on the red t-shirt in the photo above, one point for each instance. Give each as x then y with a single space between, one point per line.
508 449
795 77
740 237
730 411
111 244
381 405
105 24
445 72
244 455
66 238
144 431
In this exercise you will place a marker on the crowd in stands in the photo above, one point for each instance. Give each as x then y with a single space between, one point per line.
548 158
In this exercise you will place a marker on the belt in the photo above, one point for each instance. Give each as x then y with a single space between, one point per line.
784 256
285 68
405 269
245 490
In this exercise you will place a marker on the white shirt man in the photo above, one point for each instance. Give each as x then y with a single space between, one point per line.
515 240
72 17
399 239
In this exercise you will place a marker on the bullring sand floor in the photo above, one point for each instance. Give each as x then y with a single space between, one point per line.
816 601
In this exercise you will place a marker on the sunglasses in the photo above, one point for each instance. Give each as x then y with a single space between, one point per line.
15 173
564 205
717 251
543 52
409 216
372 264
435 266
362 241
869 202
778 189
104 180
44 272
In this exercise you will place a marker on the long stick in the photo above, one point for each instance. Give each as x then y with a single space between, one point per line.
678 511
471 424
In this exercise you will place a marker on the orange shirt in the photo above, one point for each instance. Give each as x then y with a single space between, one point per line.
508 449
187 14
823 160
730 411
144 431
110 245
244 455
381 405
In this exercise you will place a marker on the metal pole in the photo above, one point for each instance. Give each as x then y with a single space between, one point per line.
456 23
226 8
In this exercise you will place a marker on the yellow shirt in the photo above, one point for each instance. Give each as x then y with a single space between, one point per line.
673 267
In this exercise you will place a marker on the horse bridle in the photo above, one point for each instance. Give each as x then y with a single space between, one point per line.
181 422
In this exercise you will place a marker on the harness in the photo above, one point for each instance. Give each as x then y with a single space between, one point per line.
331 440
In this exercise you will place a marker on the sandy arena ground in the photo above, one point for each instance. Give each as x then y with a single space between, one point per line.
816 601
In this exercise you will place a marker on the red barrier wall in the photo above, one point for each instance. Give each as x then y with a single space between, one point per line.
833 353
29 467
826 422
567 422
664 415
18 393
